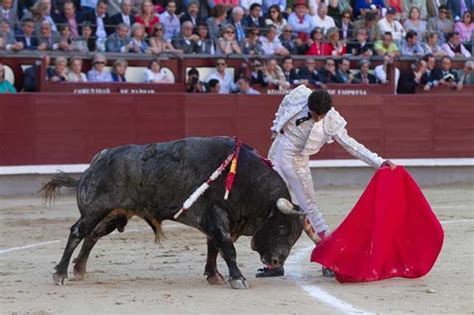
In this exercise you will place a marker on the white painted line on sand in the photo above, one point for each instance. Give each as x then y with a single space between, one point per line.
293 265
14 249
457 221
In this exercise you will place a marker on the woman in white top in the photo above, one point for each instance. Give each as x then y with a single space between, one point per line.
75 74
276 19
154 73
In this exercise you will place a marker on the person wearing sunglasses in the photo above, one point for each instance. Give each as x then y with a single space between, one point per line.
225 78
276 19
98 73
157 41
227 42
441 24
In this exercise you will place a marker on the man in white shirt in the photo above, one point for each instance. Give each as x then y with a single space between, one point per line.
381 70
389 24
7 14
271 44
322 19
226 81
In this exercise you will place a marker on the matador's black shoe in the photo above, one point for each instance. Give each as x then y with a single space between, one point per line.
270 272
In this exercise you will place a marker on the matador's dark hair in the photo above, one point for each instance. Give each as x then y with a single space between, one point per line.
320 102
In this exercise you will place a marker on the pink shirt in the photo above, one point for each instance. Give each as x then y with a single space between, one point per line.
234 3
464 31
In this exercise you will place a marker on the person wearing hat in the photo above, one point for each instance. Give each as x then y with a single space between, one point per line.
301 22
389 24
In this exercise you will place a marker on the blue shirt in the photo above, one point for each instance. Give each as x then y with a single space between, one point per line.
95 76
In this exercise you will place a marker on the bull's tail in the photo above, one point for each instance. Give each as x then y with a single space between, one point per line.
50 190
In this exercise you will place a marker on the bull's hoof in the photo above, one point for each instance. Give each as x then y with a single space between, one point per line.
328 273
216 279
239 284
79 272
58 278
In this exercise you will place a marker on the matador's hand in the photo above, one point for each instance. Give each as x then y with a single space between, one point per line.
389 164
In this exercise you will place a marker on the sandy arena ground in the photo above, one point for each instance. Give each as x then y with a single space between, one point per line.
129 273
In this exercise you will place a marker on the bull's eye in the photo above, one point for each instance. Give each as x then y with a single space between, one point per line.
282 230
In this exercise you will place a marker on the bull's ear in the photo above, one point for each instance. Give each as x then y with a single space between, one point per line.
286 207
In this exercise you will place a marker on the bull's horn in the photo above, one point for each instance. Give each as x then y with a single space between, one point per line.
286 207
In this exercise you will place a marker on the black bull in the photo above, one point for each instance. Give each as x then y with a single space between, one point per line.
153 181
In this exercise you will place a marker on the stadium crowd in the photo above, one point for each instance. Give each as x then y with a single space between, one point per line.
269 32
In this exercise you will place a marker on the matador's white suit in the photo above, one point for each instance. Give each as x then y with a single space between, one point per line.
298 138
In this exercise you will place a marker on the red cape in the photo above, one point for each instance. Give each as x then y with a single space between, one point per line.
391 232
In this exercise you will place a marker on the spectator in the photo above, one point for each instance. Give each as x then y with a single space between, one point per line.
362 47
75 73
99 20
227 43
274 74
38 13
257 74
252 45
65 43
46 13
5 85
334 46
432 75
459 7
276 19
98 72
454 47
193 84
170 20
155 74
308 75
192 14
60 70
214 86
244 87
229 4
327 73
9 41
247 4
71 18
185 41
411 46
31 75
125 15
48 40
138 44
271 44
204 45
411 79
85 43
346 27
466 75
119 41
119 69
267 4
431 45
343 72
8 14
300 21
369 22
420 6
386 45
254 19
27 38
289 71
158 44
398 5
432 7
215 22
88 6
148 19
381 74
465 28
335 10
226 81
364 77
449 76
441 24
316 46
415 22
291 42
364 7
236 21
322 20
389 24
